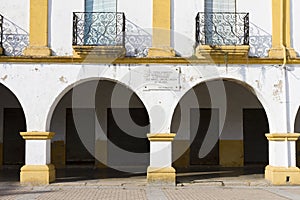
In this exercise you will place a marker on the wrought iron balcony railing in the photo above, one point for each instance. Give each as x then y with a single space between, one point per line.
1 30
222 28
98 29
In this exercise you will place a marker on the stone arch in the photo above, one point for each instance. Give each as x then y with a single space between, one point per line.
100 106
241 85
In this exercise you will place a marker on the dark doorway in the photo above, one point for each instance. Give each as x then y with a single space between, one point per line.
200 129
76 152
126 138
255 126
13 143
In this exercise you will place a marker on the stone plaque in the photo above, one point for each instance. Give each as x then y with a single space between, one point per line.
162 78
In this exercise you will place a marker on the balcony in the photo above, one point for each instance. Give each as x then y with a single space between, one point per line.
1 34
99 34
222 33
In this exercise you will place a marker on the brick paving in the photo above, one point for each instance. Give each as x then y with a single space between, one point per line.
191 187
140 192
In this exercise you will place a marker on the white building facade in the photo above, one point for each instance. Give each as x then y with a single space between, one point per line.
150 86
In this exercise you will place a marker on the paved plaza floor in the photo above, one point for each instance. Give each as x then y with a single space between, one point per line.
209 183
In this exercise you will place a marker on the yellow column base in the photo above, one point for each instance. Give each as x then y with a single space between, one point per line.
282 175
161 176
37 51
37 174
279 53
161 52
231 153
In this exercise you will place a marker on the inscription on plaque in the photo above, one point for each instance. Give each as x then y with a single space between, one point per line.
162 78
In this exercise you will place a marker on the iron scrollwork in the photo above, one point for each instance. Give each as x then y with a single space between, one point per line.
98 29
14 38
222 28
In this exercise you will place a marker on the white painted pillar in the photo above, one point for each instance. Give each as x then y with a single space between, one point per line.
282 168
160 170
37 169
160 107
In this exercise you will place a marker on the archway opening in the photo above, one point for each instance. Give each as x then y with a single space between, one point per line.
297 130
100 127
205 142
12 122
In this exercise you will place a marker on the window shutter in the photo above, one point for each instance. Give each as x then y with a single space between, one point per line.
219 5
100 5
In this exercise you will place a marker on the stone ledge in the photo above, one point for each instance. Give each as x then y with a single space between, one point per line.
99 51
218 52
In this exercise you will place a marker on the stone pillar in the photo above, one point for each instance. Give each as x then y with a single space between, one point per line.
281 30
160 170
37 169
38 31
161 24
282 168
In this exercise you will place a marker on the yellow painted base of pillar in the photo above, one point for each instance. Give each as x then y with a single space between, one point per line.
37 174
231 153
37 51
278 53
282 175
58 154
161 176
161 52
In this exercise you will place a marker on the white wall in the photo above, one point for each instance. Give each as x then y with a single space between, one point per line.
16 11
61 23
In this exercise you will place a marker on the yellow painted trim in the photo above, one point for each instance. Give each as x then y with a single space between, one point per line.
282 136
161 52
161 23
37 174
146 60
281 30
96 52
38 31
37 135
161 137
1 50
231 153
280 175
164 176
218 52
